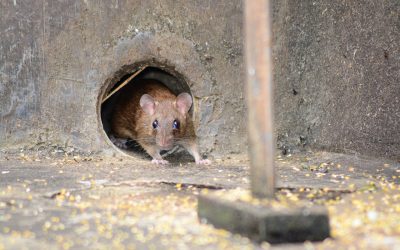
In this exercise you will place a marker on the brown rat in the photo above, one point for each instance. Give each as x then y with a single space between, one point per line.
149 113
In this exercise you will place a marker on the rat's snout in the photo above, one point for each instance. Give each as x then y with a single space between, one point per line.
165 142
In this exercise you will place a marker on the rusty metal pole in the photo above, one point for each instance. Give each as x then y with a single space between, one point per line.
259 89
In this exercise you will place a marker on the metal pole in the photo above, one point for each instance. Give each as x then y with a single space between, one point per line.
260 96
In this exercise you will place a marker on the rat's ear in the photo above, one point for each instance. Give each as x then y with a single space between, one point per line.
147 103
183 103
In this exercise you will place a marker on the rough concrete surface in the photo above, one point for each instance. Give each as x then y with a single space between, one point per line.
337 74
103 203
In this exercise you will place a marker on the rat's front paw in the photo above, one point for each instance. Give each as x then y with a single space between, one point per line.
203 162
160 162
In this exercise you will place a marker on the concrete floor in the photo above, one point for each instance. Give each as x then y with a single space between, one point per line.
116 203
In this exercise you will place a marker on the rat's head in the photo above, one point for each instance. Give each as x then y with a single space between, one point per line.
167 118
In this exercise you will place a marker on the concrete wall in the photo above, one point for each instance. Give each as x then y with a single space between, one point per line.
56 56
337 70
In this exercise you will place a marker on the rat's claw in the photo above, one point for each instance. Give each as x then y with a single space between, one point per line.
204 162
159 162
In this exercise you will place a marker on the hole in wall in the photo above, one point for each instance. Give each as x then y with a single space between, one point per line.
122 80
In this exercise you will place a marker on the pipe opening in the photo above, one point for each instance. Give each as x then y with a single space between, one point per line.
116 88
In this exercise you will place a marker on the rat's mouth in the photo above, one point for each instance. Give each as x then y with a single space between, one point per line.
168 147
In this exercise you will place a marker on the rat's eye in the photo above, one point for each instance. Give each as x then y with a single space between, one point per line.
155 124
176 124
